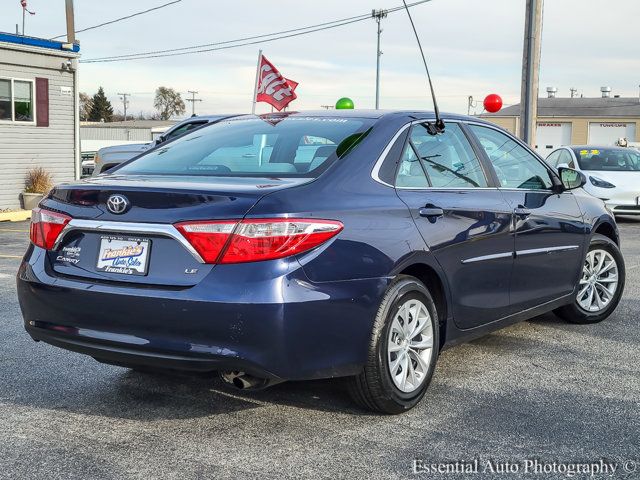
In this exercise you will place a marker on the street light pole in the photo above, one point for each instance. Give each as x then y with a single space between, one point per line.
378 15
530 71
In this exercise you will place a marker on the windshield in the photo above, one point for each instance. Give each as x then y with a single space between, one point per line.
267 146
608 159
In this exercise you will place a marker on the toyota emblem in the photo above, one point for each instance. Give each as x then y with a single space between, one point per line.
117 204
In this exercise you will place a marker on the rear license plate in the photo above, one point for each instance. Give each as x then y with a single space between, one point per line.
126 256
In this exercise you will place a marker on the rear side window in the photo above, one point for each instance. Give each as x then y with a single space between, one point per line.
446 160
515 166
411 173
183 129
266 146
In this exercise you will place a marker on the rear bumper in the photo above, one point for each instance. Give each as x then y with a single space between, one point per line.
242 317
124 353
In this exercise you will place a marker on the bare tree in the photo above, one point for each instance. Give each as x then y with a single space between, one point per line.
168 102
86 103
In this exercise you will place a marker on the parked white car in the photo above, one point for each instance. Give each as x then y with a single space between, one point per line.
613 173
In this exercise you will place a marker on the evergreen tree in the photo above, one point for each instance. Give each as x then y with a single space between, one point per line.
101 109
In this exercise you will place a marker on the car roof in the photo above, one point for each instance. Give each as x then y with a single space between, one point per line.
595 147
210 118
372 114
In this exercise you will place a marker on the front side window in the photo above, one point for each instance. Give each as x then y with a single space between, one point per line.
447 158
608 159
515 166
553 159
270 145
565 158
16 100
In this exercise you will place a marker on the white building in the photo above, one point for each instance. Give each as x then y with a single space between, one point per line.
39 116
95 135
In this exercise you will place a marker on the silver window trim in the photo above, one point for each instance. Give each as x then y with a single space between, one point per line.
160 229
375 172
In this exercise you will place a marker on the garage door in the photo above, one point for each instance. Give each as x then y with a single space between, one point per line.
550 135
608 133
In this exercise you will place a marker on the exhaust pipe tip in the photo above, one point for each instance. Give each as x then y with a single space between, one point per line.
244 381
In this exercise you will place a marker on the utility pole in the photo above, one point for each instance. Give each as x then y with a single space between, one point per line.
125 102
530 70
573 91
71 28
193 101
378 15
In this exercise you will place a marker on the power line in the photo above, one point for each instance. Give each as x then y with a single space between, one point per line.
224 45
204 45
121 18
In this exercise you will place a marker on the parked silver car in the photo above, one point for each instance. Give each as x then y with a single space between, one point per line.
108 157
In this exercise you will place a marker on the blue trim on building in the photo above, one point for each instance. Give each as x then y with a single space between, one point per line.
36 42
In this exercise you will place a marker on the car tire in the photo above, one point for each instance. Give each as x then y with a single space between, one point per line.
576 312
375 388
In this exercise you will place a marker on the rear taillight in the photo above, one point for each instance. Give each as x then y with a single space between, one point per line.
46 227
256 240
208 238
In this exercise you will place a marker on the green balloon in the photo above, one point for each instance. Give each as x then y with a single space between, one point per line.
344 104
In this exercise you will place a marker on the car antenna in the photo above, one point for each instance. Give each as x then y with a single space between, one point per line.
438 126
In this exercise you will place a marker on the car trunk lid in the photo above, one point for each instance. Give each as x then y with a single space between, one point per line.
141 245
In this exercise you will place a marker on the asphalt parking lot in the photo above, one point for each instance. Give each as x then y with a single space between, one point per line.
542 390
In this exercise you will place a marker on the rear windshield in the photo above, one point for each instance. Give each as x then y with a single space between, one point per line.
608 159
266 146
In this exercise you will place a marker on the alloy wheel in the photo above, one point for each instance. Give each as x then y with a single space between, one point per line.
599 281
410 346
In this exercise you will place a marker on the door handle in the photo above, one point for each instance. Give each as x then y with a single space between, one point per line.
431 212
521 212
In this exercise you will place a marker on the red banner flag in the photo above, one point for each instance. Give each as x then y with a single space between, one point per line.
272 87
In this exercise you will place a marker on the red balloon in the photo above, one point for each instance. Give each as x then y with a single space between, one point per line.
492 103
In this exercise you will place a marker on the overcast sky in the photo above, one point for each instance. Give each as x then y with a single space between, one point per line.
473 48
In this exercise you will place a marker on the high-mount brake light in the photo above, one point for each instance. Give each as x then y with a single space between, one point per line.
46 227
254 240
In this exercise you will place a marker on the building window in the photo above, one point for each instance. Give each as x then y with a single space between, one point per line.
16 100
5 99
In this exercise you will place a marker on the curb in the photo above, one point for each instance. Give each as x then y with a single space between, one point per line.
17 216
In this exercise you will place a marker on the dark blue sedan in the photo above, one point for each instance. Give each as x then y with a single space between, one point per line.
316 245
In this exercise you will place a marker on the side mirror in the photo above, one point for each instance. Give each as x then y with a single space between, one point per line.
562 165
159 140
571 179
